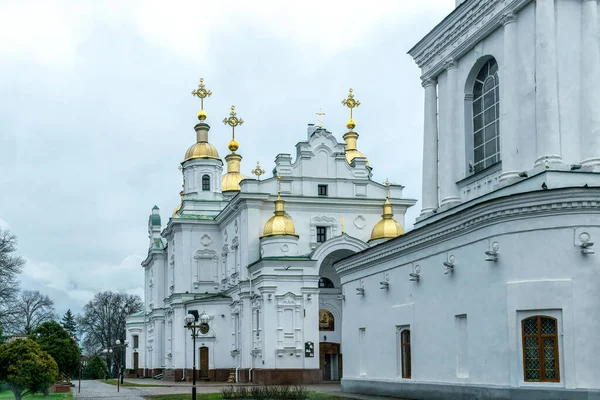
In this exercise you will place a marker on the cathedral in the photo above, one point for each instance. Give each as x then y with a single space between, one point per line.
253 260
308 276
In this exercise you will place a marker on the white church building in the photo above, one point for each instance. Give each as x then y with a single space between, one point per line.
496 292
253 259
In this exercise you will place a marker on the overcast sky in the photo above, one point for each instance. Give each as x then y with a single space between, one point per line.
96 112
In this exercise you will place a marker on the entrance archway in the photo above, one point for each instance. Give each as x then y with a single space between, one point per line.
330 303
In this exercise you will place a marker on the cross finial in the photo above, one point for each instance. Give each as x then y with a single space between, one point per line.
351 103
201 93
320 118
387 189
258 171
233 121
278 186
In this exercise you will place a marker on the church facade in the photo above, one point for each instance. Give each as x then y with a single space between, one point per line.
495 292
252 260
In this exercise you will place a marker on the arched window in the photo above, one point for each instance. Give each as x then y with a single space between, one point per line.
540 349
326 283
405 353
486 117
205 182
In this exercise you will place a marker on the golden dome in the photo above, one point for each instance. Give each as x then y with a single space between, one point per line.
388 227
233 145
279 224
201 150
351 124
231 181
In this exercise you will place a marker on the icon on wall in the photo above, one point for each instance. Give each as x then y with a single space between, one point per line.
309 349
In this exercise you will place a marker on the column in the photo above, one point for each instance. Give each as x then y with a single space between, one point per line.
590 84
430 149
509 102
546 99
448 150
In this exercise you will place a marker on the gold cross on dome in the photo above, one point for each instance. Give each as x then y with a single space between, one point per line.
201 93
278 185
258 171
320 118
350 102
233 121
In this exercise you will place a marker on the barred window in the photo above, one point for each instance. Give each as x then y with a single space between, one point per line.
540 349
205 182
486 117
321 234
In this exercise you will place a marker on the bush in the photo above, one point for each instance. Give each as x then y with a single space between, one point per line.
264 392
95 368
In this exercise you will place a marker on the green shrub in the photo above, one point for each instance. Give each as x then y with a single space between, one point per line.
264 392
95 368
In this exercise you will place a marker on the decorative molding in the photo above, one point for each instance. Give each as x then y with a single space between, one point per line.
205 240
429 82
508 18
505 209
360 222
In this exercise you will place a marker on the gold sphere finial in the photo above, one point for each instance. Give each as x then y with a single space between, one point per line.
351 103
201 93
233 145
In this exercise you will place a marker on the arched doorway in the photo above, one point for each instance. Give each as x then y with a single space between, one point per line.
204 363
330 303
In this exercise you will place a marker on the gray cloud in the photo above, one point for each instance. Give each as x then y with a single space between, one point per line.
97 114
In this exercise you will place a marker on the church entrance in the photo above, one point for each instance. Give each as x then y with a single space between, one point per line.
330 361
204 363
136 362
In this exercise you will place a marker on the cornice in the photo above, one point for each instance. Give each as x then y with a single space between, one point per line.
467 25
509 208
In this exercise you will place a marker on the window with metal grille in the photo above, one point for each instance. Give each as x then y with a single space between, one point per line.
205 182
321 234
325 283
486 117
405 350
540 349
322 190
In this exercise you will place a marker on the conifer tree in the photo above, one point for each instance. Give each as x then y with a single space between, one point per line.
68 323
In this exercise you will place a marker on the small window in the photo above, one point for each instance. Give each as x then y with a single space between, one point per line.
540 349
136 342
405 350
321 234
322 190
326 283
205 182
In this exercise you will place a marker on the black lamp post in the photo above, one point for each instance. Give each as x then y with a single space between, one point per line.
109 352
190 323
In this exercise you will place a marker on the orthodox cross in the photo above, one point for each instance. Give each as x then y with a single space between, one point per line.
201 93
233 121
350 102
258 171
278 185
320 118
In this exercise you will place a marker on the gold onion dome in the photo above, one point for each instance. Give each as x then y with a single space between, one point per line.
388 227
202 150
279 224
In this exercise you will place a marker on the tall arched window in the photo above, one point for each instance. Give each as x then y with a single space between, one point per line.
405 353
486 117
205 182
540 349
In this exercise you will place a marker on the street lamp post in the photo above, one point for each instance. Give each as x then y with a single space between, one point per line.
190 323
109 352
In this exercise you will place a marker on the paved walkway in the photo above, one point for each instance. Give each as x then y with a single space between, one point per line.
100 390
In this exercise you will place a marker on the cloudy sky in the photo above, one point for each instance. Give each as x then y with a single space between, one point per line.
96 112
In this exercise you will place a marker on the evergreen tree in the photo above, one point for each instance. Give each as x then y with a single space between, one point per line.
69 324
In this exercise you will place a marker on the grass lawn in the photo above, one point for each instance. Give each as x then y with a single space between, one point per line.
217 396
125 383
5 395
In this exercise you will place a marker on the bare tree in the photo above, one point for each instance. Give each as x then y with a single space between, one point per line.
32 310
103 320
10 268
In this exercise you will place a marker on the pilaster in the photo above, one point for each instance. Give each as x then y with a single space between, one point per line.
448 143
509 98
430 148
547 117
590 84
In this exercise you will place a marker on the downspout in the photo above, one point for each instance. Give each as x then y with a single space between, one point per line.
251 322
184 357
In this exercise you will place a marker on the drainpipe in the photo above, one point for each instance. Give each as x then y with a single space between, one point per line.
236 373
